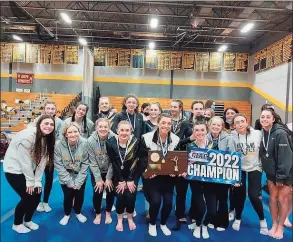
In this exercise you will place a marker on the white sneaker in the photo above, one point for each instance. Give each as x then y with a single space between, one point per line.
205 232
134 213
152 230
47 207
113 208
21 229
192 226
165 230
104 194
231 216
263 227
81 218
40 207
64 220
31 225
236 224
196 232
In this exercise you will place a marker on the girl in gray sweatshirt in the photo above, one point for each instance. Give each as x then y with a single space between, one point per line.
24 163
71 164
248 144
101 168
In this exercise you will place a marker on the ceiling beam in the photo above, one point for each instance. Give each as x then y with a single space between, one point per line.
139 14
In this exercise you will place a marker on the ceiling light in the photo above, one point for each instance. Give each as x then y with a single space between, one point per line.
66 18
154 23
223 48
16 37
247 28
82 41
151 45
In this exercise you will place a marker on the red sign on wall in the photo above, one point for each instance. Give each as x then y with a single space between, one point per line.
24 78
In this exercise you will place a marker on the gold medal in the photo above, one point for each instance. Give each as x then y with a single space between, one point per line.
122 167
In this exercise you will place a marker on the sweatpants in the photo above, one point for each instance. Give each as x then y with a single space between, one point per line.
28 203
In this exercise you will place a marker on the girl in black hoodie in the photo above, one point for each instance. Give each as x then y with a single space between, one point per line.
276 157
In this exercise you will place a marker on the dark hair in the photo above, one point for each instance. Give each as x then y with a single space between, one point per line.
48 149
129 96
277 117
241 115
200 120
180 107
192 104
208 103
267 106
144 105
84 118
227 126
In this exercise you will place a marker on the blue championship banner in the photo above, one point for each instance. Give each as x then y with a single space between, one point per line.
213 166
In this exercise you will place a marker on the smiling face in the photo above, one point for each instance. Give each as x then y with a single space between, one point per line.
240 124
174 109
104 104
80 111
50 109
207 113
229 114
124 132
266 119
131 104
199 132
197 109
103 129
165 125
72 134
216 126
47 126
154 111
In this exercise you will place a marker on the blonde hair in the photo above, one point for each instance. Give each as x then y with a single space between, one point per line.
67 126
216 118
123 122
102 120
104 98
50 102
211 111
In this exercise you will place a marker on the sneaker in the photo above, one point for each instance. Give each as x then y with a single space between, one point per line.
231 216
165 230
236 224
40 207
64 220
31 225
220 229
21 229
196 232
152 230
134 213
104 194
113 208
47 207
211 226
263 227
81 218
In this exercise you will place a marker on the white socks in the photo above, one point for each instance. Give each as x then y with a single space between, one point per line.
152 230
196 232
31 225
165 230
263 227
64 220
81 218
236 224
205 233
21 229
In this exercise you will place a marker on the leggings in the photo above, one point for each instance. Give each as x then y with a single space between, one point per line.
125 200
49 173
160 187
71 194
97 196
28 203
181 185
254 187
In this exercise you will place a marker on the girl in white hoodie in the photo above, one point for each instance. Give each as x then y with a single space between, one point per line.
24 163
